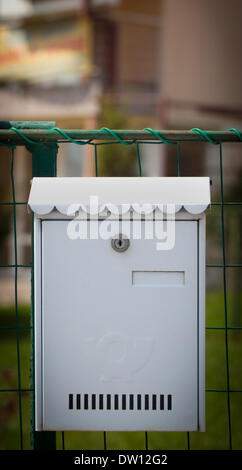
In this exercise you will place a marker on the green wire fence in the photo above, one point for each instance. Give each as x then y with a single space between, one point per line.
42 139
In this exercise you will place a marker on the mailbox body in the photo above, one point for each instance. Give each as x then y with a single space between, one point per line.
119 337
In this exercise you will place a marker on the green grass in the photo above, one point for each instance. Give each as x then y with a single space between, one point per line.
217 431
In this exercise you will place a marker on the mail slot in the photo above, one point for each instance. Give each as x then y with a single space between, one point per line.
119 285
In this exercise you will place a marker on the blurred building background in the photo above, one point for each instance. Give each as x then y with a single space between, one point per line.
125 64
171 64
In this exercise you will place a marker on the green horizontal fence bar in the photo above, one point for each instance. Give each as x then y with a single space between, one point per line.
224 390
14 327
12 203
16 390
223 328
223 265
27 124
15 265
52 135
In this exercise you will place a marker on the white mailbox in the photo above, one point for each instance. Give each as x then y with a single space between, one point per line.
119 303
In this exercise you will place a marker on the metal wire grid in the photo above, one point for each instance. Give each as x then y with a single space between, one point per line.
19 390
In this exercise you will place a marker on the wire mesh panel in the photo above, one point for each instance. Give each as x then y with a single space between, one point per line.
224 384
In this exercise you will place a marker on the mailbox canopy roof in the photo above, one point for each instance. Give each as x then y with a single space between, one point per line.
119 195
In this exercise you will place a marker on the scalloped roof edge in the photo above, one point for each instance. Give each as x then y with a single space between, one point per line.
117 210
117 195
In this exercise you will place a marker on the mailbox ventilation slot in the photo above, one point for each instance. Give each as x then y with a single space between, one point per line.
124 402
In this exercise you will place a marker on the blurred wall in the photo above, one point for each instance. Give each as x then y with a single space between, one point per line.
201 46
200 79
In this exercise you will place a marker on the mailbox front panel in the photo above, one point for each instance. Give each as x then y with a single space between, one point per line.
119 332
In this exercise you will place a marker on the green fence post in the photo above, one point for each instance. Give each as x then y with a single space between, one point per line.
43 164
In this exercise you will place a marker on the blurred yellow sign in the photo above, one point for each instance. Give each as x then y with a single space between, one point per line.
57 51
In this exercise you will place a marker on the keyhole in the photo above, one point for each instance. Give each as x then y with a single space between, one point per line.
120 243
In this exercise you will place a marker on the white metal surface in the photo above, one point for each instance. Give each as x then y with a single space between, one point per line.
70 194
119 325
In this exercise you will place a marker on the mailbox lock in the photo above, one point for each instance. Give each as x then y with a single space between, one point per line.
120 243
